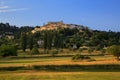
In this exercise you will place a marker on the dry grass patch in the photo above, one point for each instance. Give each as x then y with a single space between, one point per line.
64 62
31 75
56 61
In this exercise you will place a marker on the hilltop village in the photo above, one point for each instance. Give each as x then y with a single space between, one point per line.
56 26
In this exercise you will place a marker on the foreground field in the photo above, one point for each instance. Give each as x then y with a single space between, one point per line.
72 74
55 61
32 75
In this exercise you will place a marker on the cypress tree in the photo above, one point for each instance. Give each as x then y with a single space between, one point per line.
23 41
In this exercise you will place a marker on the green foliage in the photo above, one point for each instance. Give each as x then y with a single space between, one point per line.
26 29
58 40
47 38
54 52
97 48
61 38
115 50
23 41
103 51
35 51
90 50
80 57
8 50
31 41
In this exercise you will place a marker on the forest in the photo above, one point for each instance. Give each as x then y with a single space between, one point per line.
62 38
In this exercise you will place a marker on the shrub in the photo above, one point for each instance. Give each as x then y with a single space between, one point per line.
35 51
8 50
80 57
54 52
98 48
115 50
90 50
75 57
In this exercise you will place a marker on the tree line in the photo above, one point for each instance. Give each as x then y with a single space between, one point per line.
65 38
59 39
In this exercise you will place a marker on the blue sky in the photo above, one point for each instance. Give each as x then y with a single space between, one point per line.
96 14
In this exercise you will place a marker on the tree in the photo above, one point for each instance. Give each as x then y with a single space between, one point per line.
58 40
45 40
31 42
49 40
115 50
8 50
23 41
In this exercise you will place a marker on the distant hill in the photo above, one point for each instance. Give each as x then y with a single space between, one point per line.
70 33
57 25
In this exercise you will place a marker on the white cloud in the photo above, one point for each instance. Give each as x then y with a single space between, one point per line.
12 10
4 7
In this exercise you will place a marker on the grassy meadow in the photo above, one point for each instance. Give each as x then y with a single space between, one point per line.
31 75
24 59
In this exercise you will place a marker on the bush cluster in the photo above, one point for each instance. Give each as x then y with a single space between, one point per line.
80 57
8 50
35 51
54 52
115 50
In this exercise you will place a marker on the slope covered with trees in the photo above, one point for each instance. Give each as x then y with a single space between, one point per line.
59 39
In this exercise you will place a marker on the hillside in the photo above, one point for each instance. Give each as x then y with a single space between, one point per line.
68 34
57 25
